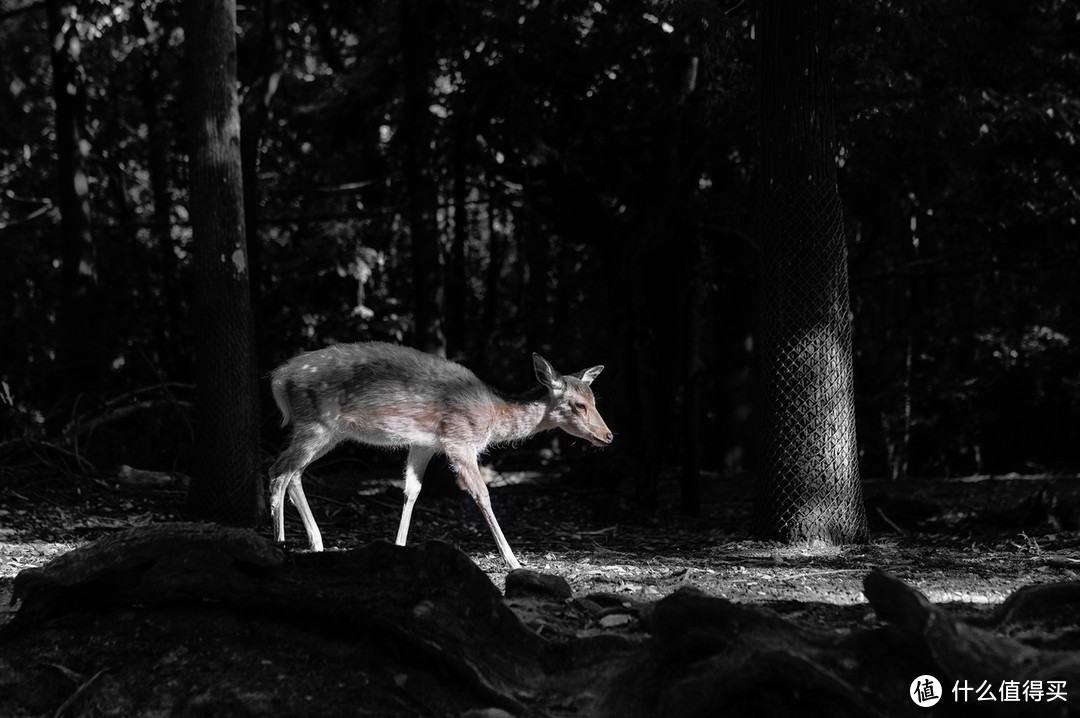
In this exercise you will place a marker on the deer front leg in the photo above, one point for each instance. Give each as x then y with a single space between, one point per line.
470 479
414 478
296 495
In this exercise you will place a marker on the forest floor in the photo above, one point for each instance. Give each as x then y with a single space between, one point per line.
966 544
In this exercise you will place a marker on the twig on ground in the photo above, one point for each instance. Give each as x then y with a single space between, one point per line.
609 530
889 521
77 694
827 572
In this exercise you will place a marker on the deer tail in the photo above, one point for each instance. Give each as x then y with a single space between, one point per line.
278 387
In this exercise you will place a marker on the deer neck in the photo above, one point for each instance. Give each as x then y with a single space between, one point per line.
520 417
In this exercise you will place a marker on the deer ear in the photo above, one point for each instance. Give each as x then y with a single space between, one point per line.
546 374
587 375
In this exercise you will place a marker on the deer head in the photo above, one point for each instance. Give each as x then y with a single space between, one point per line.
571 404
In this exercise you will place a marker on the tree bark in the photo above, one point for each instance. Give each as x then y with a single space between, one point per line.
808 485
158 168
489 321
656 267
255 112
457 281
78 351
692 371
225 486
537 264
330 52
417 54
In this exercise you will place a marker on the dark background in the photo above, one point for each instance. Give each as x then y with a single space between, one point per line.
590 171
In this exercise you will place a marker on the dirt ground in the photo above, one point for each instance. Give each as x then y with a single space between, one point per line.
966 544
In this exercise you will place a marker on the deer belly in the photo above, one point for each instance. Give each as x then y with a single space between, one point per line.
391 428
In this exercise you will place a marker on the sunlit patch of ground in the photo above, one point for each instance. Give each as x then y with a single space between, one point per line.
956 541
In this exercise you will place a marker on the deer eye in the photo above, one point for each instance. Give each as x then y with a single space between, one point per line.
579 405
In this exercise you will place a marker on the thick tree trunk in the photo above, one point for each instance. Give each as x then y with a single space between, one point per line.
78 351
226 486
808 484
417 50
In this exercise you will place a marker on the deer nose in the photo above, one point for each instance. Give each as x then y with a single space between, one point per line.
608 437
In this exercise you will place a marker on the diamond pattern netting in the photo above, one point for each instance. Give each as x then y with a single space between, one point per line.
808 484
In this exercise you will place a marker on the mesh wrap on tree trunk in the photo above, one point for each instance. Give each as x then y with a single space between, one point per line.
808 484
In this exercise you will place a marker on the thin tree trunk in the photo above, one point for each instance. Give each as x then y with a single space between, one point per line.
537 270
567 320
734 372
254 113
158 166
649 279
226 486
808 487
78 352
655 267
905 439
457 280
690 435
417 50
490 316
330 52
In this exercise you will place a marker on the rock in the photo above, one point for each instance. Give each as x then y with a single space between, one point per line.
524 583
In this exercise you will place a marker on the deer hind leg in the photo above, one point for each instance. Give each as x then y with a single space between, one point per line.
415 466
470 479
307 445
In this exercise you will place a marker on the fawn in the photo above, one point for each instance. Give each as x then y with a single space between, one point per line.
391 396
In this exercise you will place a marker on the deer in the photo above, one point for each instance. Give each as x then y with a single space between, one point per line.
385 395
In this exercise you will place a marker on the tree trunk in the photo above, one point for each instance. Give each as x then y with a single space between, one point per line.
490 314
255 111
656 267
537 264
158 167
330 52
78 351
457 282
808 484
692 369
735 377
417 50
226 486
649 291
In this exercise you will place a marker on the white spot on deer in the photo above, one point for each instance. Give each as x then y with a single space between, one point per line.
239 260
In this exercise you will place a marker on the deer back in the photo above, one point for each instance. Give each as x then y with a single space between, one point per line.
379 394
